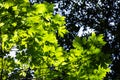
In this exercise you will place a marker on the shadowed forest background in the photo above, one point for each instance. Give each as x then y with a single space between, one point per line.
45 34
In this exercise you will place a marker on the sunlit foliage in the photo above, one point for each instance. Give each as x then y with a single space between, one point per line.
33 30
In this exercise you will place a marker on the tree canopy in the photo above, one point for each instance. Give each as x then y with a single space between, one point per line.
35 31
101 15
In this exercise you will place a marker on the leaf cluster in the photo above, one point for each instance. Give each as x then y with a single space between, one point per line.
33 30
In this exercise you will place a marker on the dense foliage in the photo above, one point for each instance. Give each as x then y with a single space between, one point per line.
101 15
33 30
